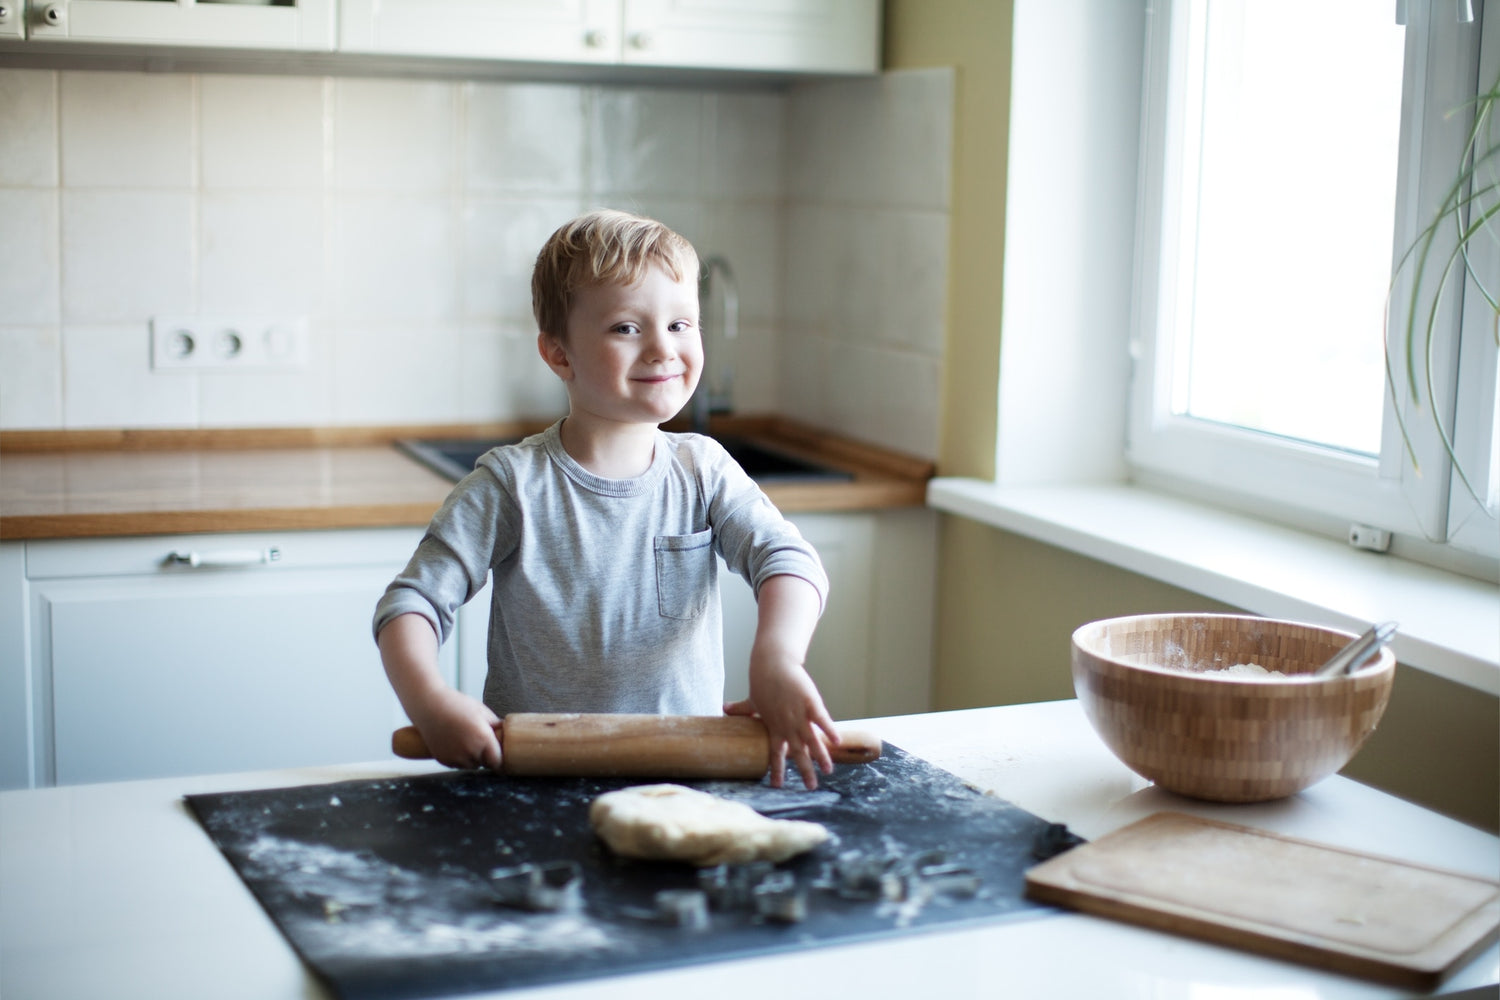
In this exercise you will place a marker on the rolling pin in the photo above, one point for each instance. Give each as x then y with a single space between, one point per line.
637 746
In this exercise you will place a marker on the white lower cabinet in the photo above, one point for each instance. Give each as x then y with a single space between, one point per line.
121 659
872 653
134 663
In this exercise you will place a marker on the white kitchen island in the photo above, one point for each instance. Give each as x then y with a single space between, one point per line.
116 891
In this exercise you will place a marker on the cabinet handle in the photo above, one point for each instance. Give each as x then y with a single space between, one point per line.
226 558
596 39
640 40
4 13
55 14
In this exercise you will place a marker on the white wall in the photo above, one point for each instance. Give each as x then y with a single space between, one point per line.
1070 237
401 217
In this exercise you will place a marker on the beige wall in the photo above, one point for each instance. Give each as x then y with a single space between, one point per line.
1007 605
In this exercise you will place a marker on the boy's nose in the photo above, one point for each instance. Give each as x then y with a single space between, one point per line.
660 344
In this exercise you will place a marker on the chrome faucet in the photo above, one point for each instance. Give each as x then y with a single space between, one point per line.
715 394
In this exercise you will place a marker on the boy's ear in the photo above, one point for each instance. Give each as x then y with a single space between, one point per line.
556 356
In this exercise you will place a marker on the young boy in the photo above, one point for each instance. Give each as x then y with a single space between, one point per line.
601 531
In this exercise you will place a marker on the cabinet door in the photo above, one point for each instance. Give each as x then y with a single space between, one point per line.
580 31
282 24
839 658
12 22
209 671
820 36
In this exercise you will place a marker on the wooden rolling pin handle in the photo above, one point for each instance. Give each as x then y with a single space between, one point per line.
855 746
407 742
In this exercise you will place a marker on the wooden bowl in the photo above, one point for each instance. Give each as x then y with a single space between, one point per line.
1155 689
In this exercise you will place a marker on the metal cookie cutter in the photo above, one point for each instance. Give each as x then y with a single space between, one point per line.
541 888
860 876
729 887
778 897
685 908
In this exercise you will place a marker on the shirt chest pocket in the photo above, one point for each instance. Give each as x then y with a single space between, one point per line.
684 573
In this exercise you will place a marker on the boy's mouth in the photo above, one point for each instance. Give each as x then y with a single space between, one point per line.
664 377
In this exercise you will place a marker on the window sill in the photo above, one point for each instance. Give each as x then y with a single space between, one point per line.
1450 624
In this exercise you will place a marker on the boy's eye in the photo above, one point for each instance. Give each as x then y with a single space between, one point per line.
627 328
681 326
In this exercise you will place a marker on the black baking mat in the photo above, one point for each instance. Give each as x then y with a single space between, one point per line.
384 886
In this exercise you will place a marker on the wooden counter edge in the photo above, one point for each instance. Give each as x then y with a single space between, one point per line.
36 527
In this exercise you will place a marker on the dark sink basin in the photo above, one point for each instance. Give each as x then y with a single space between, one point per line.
455 458
769 465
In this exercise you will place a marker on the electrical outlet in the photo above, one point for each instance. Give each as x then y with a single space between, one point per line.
1362 536
217 343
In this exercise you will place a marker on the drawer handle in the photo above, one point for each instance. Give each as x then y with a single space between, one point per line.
225 558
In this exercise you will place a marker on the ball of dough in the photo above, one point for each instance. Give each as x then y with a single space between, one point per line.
676 823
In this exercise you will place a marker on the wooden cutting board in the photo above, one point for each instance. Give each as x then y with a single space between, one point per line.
1342 910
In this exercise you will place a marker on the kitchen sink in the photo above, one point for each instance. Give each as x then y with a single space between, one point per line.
454 458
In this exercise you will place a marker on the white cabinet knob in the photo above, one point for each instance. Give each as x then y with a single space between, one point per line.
640 40
55 14
4 13
596 39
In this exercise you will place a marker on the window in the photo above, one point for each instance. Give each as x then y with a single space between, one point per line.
1292 150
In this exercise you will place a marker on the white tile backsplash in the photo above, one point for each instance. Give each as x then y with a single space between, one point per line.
744 146
30 377
261 132
28 128
28 256
126 254
524 138
500 239
300 398
401 374
395 258
402 217
394 135
645 142
128 130
261 253
107 381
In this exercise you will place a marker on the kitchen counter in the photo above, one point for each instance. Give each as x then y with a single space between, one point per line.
114 890
82 484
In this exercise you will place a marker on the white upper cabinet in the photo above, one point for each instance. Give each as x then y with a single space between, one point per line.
828 36
585 31
305 25
776 36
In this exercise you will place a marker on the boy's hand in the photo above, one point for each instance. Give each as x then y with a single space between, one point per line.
458 729
798 725
781 692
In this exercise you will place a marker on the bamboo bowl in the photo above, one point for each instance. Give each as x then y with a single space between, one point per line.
1155 689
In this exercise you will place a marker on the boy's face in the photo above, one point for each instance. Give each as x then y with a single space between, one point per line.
633 354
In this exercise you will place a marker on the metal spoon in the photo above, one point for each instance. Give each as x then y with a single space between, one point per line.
1358 652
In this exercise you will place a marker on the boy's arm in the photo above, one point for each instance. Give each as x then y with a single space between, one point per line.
781 692
459 730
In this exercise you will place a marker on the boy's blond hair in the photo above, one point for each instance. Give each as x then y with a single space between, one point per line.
605 247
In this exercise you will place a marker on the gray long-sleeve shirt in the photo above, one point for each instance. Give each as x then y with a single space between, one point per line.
606 593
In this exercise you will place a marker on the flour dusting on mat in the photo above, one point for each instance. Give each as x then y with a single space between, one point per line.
393 893
370 907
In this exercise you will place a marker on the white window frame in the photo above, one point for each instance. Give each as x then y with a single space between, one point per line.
1275 477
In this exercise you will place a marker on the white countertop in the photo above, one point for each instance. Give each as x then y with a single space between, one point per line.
116 891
